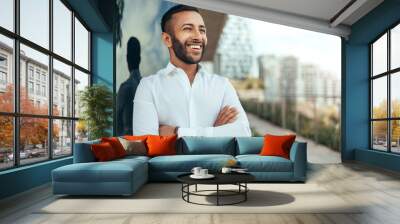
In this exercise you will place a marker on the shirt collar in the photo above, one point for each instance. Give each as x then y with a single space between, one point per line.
172 69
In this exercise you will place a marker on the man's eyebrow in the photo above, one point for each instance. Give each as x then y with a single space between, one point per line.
191 24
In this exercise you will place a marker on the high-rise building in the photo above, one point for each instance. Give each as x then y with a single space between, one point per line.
234 55
269 69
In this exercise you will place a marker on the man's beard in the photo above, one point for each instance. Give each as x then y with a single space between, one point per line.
180 51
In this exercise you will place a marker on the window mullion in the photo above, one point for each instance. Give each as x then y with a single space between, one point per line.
16 84
50 81
389 76
73 82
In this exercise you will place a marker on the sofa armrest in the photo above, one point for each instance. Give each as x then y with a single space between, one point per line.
83 152
298 155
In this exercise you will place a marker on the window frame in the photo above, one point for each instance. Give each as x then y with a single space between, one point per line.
388 74
16 114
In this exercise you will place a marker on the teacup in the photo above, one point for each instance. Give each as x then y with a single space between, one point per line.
196 170
203 172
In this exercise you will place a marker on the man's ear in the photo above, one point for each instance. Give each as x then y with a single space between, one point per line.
166 38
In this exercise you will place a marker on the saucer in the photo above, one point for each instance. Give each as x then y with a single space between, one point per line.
208 176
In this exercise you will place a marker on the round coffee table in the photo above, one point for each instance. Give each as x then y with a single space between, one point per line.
238 179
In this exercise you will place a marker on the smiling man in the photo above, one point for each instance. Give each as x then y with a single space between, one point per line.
183 98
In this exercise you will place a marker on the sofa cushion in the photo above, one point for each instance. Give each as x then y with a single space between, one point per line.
112 171
207 145
103 152
277 145
161 145
257 163
135 147
249 145
116 145
185 163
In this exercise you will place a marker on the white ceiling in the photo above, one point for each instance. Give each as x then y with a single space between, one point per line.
315 15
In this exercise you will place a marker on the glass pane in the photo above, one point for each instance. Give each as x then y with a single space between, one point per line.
81 81
62 29
395 47
81 131
379 135
34 97
379 98
6 142
395 136
379 55
81 45
33 139
395 94
62 138
35 21
6 74
7 14
62 89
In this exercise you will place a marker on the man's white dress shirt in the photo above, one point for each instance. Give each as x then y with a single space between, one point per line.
167 98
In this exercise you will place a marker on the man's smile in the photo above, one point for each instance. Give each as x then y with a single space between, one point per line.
195 47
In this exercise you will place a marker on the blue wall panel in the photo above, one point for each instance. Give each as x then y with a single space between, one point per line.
24 178
356 85
102 58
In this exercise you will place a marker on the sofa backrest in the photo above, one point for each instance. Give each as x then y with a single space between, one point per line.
206 145
83 152
249 145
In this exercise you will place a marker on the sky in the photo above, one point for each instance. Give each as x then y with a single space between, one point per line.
320 49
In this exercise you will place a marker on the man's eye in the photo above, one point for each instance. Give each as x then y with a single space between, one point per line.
203 31
187 28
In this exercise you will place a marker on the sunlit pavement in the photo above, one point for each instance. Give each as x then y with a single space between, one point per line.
316 153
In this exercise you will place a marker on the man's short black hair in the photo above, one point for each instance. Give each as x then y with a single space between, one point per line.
173 10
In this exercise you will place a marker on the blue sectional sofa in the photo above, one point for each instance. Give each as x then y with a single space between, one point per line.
125 176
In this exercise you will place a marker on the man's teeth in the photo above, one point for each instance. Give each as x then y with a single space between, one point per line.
195 46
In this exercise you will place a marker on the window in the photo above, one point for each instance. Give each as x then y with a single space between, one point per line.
7 14
30 72
43 90
30 87
3 78
38 89
3 61
46 131
385 94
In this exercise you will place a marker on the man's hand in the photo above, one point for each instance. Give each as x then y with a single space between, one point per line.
226 115
166 130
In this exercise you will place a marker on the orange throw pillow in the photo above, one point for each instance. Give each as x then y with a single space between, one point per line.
116 145
137 137
103 151
161 145
277 145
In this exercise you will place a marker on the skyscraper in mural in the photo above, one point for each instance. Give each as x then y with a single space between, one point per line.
234 56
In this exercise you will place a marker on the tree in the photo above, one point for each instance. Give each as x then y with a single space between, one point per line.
33 131
96 102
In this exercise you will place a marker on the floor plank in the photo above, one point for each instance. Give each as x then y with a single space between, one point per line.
377 190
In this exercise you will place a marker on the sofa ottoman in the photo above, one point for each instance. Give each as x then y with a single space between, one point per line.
118 177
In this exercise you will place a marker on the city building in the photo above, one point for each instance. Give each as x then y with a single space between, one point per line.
234 55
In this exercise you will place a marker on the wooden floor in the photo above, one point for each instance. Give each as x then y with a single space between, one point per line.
378 189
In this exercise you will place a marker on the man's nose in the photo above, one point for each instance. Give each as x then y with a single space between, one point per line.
197 34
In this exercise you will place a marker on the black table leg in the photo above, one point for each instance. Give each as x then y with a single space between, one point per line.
245 193
217 194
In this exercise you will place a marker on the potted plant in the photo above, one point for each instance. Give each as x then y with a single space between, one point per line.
96 104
